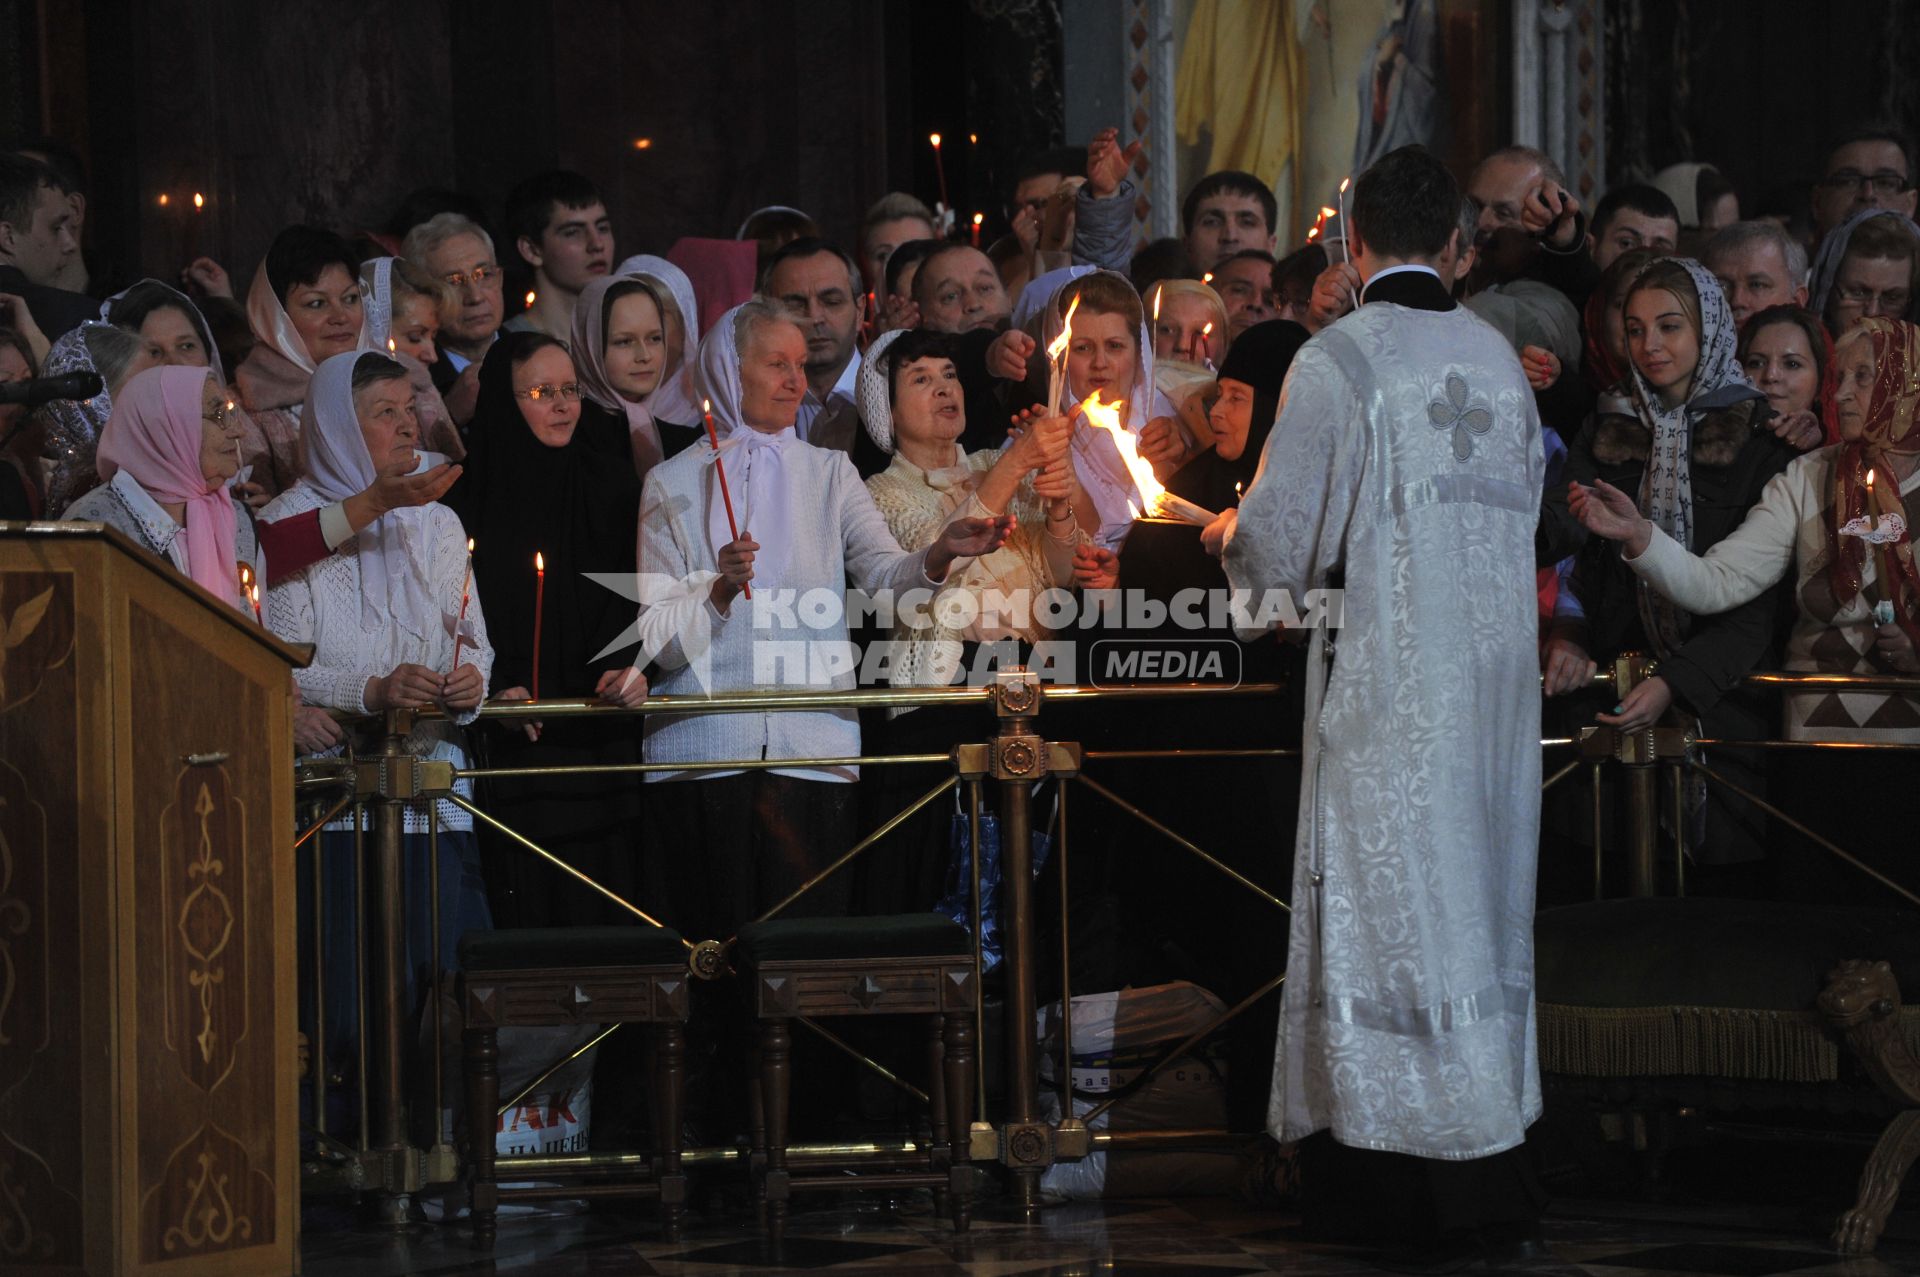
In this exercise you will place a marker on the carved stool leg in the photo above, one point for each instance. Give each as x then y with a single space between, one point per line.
756 1132
1859 1229
483 1099
936 1053
775 1086
669 1096
958 1066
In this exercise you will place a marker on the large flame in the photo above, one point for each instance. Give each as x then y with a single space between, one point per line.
1058 346
1106 416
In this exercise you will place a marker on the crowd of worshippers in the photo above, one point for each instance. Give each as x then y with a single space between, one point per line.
443 492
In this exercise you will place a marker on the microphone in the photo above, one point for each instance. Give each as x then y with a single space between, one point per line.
38 390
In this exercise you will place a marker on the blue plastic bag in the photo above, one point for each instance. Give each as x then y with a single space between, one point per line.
957 901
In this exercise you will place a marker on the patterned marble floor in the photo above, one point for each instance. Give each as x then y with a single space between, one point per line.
1159 1238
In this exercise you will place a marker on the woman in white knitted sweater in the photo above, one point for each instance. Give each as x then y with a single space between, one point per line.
913 406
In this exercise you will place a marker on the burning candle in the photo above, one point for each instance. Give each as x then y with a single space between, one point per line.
1206 345
977 219
939 168
531 298
1157 291
1153 497
393 351
1882 556
1344 183
720 473
539 606
249 590
459 624
1057 358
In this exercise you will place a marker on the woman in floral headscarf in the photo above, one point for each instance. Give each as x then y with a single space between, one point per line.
1848 542
1698 450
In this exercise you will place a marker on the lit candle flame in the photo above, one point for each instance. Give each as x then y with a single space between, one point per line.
199 200
539 562
979 218
1058 346
706 406
1206 277
1106 416
469 545
1344 182
391 348
530 297
1208 330
974 138
1313 234
642 143
1326 212
1869 483
935 139
163 199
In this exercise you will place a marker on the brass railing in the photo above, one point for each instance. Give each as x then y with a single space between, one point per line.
1015 757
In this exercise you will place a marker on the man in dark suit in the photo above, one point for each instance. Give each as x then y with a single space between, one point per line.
37 238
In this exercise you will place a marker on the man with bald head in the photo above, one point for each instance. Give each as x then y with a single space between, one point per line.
1531 226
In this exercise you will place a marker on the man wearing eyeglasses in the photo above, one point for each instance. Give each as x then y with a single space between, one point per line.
1868 169
459 250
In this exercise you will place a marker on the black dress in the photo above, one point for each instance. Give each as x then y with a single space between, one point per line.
578 506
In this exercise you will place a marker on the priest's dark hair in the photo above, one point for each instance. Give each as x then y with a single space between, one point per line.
300 254
1406 205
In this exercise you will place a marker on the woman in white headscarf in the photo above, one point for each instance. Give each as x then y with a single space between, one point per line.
623 352
805 524
676 400
382 614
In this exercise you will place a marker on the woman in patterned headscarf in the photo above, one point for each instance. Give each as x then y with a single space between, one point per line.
1698 450
1848 542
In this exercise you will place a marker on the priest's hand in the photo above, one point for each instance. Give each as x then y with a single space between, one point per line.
1213 537
1107 163
626 687
1799 430
462 690
1096 568
1894 646
1007 356
1550 212
1642 708
735 562
1607 512
1335 293
967 539
521 694
1565 666
1541 365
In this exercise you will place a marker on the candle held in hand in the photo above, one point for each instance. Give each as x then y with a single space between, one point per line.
459 623
720 473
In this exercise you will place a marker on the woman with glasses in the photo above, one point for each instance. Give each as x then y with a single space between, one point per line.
166 455
542 480
1866 269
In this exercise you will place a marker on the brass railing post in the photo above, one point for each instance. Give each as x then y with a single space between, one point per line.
1018 760
384 1031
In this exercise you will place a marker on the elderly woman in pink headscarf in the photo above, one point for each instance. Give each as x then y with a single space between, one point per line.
166 455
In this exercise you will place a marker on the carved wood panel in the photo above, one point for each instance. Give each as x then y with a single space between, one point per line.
40 1047
202 1015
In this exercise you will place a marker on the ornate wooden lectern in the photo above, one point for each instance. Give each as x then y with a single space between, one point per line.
147 1005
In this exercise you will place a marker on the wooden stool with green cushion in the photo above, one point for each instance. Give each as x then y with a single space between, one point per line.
904 964
1665 1001
572 976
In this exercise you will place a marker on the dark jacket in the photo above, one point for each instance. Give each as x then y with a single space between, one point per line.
1735 453
57 311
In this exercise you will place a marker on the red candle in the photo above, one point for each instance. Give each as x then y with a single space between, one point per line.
720 472
977 219
539 607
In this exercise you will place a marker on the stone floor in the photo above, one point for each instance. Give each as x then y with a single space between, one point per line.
1201 1236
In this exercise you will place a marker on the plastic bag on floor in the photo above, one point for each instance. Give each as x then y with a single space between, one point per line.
957 901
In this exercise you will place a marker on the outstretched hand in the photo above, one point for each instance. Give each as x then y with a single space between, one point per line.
1607 512
1107 162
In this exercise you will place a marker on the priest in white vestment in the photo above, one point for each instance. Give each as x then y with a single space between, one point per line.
1405 465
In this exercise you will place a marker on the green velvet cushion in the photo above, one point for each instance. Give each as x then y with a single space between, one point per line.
536 947
900 935
1663 952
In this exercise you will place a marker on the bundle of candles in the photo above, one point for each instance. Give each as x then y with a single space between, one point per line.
1882 533
1154 500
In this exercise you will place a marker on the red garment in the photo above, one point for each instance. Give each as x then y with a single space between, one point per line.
291 544
1599 368
722 271
1893 410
